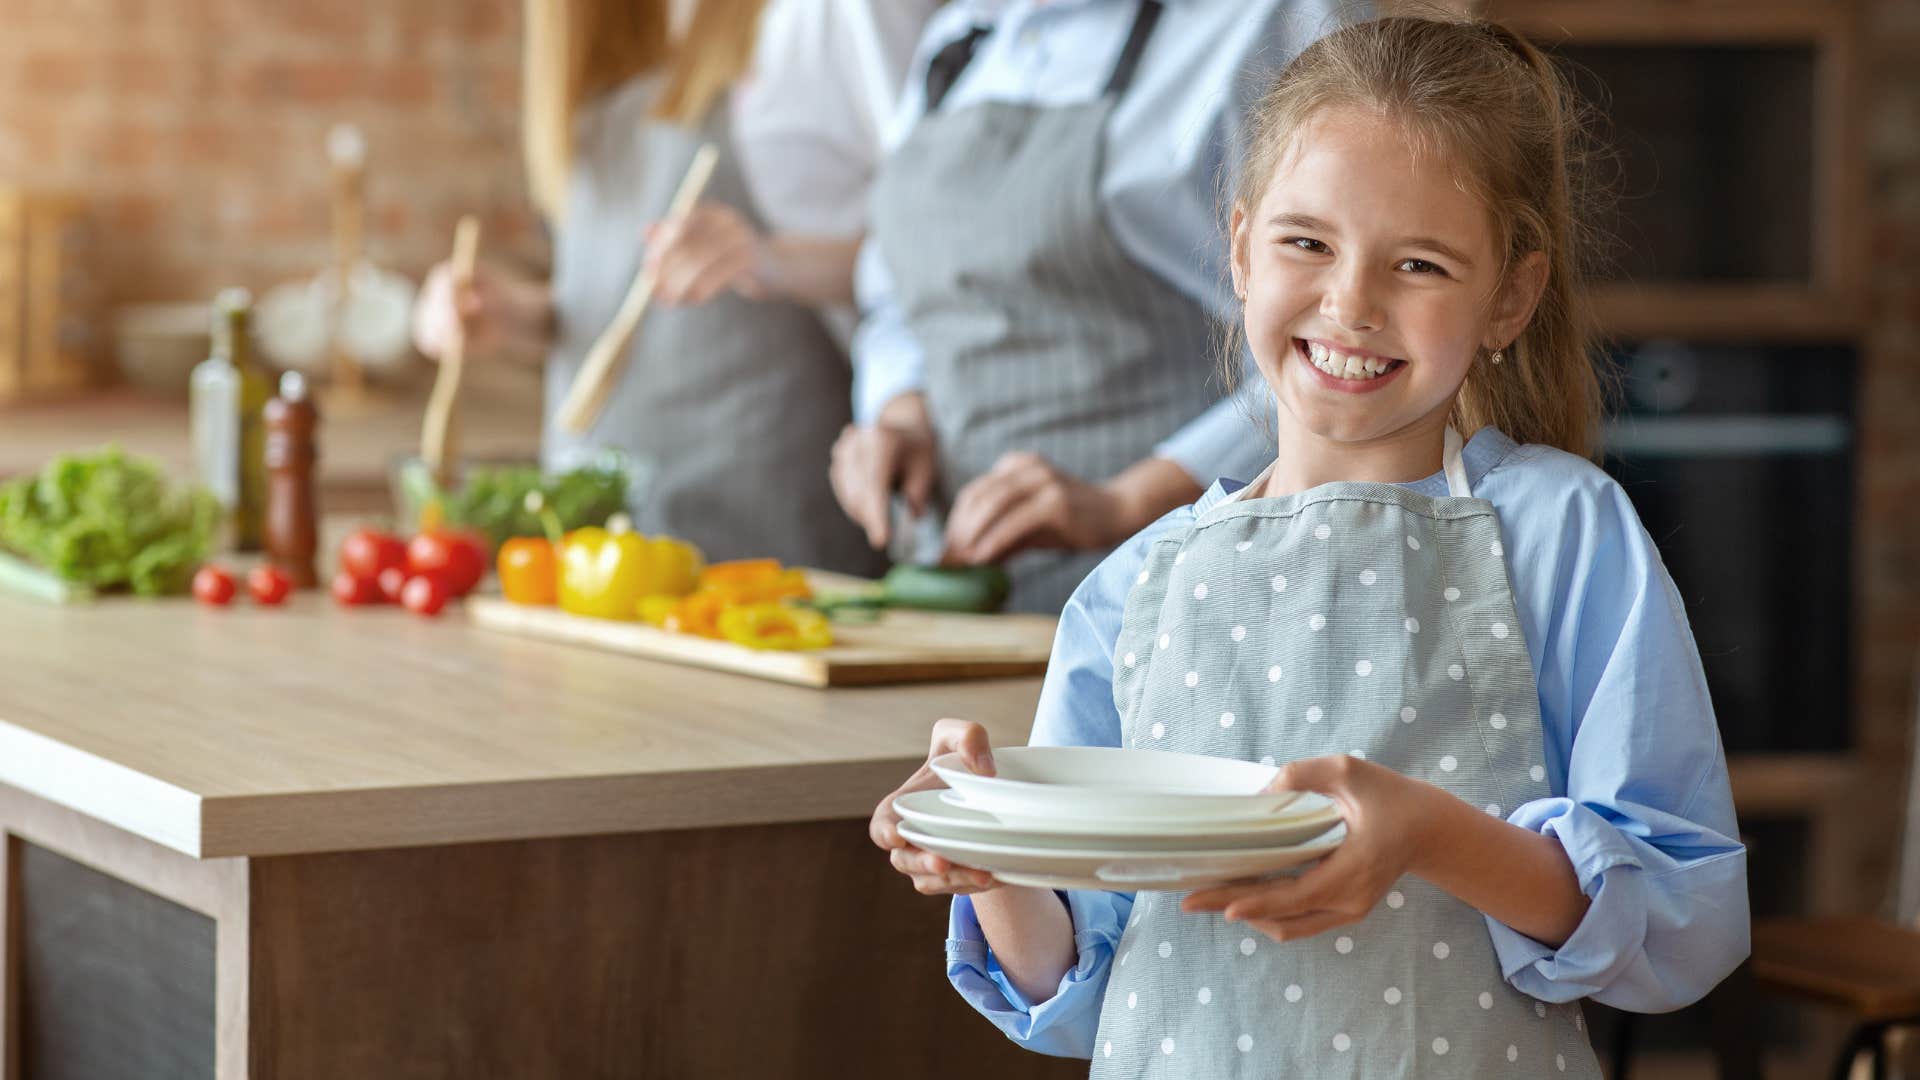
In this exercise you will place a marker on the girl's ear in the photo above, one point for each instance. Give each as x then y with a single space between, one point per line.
1237 257
1513 310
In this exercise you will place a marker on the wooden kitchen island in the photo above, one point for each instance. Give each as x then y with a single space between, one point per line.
317 842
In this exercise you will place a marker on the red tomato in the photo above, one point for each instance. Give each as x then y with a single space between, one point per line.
353 591
423 595
268 584
390 582
366 552
213 586
456 560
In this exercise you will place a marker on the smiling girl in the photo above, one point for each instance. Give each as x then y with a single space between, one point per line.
1473 648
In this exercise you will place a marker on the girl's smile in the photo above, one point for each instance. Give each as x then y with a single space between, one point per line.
1346 369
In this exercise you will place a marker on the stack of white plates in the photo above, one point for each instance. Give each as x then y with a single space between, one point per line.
1086 817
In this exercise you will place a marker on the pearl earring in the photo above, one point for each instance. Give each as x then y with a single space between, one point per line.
1496 355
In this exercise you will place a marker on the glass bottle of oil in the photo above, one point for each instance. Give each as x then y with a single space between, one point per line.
229 392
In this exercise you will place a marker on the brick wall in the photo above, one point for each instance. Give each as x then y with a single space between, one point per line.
1888 551
198 129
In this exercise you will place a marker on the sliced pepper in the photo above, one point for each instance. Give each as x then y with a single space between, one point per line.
774 626
529 572
657 608
698 614
740 572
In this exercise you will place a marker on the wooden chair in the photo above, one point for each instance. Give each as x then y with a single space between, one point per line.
1868 966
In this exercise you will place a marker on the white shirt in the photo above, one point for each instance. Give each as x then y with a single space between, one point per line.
808 115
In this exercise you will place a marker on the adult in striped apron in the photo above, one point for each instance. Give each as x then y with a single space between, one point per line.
727 409
1038 331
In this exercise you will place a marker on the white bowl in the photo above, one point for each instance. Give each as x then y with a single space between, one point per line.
1041 784
936 812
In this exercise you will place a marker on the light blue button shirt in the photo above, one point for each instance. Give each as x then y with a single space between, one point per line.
1169 139
1641 799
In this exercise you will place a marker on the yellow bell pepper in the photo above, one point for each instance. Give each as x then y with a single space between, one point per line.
601 572
673 567
774 626
605 572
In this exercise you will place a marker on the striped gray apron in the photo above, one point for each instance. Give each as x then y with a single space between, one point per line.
727 410
1039 332
1351 618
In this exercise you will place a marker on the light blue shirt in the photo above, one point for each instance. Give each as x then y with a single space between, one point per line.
1168 142
1641 799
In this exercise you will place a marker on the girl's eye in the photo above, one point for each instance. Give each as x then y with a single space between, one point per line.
1308 243
1422 266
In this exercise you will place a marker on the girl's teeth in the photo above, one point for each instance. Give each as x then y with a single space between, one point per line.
1342 366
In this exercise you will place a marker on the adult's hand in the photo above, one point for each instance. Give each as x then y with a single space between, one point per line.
871 461
500 311
1026 501
932 874
710 249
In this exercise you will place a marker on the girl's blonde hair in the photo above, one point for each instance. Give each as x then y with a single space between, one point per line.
1480 98
576 50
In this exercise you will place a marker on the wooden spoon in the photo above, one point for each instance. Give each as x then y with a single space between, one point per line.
608 356
437 434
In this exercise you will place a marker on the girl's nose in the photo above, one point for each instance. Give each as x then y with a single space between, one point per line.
1350 302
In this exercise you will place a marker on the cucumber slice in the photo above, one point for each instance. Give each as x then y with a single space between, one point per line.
978 589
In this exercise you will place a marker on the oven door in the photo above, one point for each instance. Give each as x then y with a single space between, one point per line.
1740 463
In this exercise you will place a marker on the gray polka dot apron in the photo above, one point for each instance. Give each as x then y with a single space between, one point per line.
1351 618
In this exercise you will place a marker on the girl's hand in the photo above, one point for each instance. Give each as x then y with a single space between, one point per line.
713 248
932 874
1387 817
498 310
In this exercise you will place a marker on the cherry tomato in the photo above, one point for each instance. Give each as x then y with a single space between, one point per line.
456 560
352 591
390 582
423 595
366 552
213 586
268 584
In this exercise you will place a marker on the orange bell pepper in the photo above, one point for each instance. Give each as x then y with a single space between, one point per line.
529 572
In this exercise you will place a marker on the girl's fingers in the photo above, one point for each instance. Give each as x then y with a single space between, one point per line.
1300 926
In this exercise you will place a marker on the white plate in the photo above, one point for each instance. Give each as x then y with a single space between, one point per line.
1159 871
938 812
1114 786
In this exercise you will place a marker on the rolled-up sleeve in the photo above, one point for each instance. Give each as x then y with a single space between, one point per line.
1064 1024
1642 803
887 360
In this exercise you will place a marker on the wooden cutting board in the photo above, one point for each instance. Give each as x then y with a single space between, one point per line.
902 646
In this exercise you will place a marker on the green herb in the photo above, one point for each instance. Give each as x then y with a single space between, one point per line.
494 500
106 520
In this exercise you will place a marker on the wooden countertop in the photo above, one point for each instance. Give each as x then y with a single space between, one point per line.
252 731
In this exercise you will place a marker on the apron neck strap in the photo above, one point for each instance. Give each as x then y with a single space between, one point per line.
1456 469
1143 23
